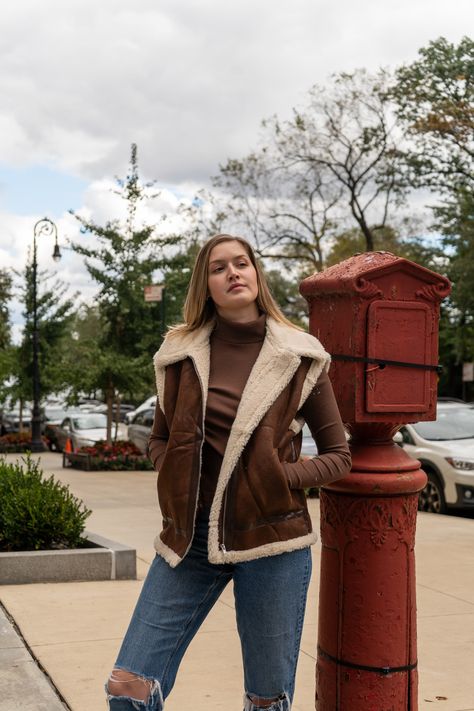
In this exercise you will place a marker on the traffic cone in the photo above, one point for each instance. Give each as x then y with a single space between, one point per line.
68 446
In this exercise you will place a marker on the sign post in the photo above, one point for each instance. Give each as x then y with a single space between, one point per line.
156 292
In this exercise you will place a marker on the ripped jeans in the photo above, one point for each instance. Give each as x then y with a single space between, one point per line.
270 599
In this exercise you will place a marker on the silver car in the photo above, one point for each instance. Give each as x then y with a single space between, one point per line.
83 430
445 448
140 428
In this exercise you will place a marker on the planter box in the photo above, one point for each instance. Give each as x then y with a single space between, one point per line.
87 462
105 560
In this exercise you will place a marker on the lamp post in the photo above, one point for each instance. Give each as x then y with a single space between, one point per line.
45 226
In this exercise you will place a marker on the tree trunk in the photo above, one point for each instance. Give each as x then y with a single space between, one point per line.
117 417
109 401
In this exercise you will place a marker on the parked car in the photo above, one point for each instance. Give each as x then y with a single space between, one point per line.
140 428
10 420
52 417
87 404
445 448
82 429
149 402
123 410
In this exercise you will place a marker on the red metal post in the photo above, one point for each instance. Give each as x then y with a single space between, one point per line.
377 314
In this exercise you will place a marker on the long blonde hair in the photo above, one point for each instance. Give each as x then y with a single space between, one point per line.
199 308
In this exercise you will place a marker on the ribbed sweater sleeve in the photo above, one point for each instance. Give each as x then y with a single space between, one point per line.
333 461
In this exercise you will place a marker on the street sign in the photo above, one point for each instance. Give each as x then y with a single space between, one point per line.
153 292
467 372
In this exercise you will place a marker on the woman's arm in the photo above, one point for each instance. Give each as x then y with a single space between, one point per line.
158 439
333 461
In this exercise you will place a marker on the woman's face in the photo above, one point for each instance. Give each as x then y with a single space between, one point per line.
232 282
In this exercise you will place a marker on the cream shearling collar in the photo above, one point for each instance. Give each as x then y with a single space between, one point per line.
277 362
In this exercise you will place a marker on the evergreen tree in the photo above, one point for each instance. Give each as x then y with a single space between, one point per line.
129 257
5 296
5 330
54 313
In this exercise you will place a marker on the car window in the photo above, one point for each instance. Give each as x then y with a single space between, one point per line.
451 423
148 416
406 436
89 422
144 418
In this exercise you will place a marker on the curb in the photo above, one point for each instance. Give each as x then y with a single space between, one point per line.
105 560
23 681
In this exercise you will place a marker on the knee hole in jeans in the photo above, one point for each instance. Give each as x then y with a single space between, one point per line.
124 683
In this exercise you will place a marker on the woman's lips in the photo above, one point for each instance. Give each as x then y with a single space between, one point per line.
235 286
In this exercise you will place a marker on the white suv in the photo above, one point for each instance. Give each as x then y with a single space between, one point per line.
149 402
445 449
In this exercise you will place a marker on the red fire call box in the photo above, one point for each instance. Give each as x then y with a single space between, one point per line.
378 314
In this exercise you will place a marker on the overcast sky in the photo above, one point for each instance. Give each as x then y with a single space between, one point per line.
188 80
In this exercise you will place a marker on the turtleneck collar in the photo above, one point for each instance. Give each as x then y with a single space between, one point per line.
232 332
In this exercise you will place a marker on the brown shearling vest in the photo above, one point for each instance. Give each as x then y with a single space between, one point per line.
259 508
255 512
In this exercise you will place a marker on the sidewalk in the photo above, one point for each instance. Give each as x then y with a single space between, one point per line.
74 629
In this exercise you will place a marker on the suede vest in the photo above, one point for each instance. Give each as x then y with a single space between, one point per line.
254 512
259 508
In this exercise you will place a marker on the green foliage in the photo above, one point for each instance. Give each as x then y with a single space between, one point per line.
434 98
127 259
5 296
37 513
177 273
54 313
435 104
286 293
351 242
456 220
129 256
6 359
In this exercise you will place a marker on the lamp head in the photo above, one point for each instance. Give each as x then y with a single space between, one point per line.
56 253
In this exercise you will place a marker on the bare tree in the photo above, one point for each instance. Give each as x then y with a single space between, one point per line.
334 162
347 133
285 210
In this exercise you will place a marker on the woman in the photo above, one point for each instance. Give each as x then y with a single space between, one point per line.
236 381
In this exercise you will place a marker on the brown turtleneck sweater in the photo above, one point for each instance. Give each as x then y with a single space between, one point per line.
234 350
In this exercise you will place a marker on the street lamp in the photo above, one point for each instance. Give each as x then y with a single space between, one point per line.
43 227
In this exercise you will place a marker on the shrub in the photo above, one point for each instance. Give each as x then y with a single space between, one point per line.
37 513
17 442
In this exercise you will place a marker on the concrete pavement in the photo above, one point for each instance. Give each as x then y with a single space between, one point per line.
74 629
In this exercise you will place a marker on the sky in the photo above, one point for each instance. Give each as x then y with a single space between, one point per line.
188 80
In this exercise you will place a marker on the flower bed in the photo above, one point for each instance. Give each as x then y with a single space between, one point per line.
118 456
17 442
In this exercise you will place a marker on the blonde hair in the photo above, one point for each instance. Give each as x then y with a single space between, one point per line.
199 308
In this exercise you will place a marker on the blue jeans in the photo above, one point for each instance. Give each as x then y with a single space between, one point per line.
270 599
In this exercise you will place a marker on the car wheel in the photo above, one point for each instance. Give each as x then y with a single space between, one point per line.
431 499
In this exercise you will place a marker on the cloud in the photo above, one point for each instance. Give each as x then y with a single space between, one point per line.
188 81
